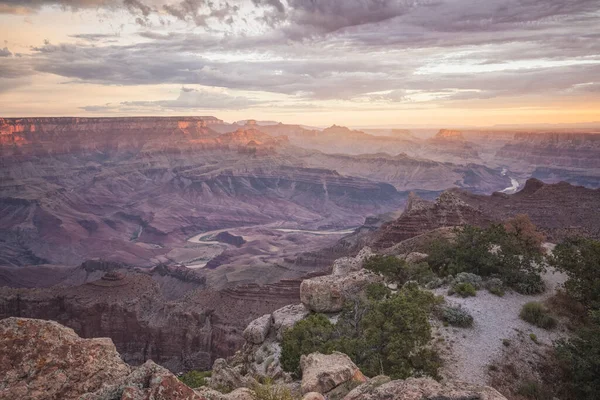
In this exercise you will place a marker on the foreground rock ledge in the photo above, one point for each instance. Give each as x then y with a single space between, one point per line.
45 360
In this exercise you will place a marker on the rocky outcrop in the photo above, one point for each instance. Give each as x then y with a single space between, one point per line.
286 317
329 293
449 134
423 388
226 237
225 377
323 373
42 360
421 217
569 150
256 332
345 265
189 333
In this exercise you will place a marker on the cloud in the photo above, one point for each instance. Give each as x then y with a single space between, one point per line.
137 6
5 52
200 12
95 37
188 99
359 51
29 6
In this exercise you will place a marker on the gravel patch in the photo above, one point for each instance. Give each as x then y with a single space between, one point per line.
468 351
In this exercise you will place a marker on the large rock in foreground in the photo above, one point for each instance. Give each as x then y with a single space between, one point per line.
329 293
323 373
45 360
423 388
257 330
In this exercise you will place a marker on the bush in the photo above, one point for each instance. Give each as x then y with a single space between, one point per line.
270 391
536 314
456 316
195 379
579 356
511 252
464 290
398 270
466 277
306 337
533 338
385 334
529 284
391 267
579 258
495 286
533 390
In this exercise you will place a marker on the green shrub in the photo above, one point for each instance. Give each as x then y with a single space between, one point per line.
464 290
579 258
529 283
495 286
511 251
382 335
533 337
466 277
195 379
377 291
533 390
391 267
536 314
270 391
398 270
306 337
579 356
456 316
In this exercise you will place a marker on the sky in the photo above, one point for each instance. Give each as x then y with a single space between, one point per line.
313 62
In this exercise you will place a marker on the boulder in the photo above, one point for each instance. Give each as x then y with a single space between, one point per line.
423 388
43 359
368 387
286 317
345 265
148 382
313 396
329 293
256 332
322 373
414 257
240 394
225 377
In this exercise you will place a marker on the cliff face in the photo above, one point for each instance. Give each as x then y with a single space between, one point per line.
128 308
567 150
44 360
559 210
133 189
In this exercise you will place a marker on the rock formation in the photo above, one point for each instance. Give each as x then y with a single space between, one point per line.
330 293
558 210
134 189
188 333
44 360
323 373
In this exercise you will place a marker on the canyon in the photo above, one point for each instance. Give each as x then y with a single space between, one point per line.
169 235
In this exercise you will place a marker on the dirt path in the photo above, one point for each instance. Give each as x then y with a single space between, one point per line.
468 352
